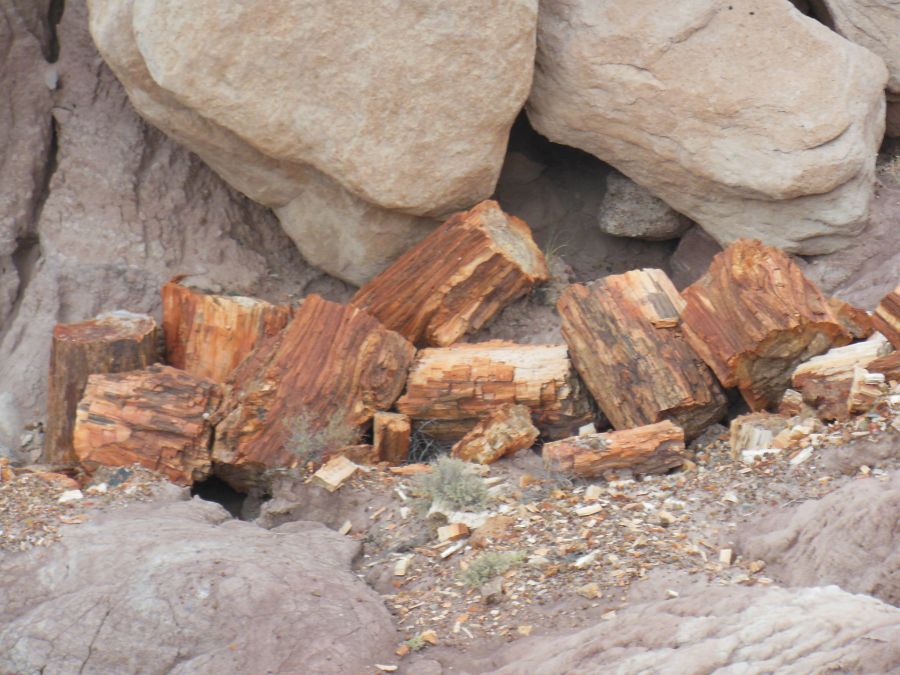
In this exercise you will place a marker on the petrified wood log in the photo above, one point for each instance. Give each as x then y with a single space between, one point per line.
625 341
161 418
654 448
887 317
505 431
451 388
754 316
390 436
111 343
857 322
755 431
826 380
309 389
889 366
456 278
209 335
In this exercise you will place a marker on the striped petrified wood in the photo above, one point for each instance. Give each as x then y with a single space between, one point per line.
654 448
457 278
111 343
857 322
161 418
753 317
625 339
309 390
451 388
887 317
209 335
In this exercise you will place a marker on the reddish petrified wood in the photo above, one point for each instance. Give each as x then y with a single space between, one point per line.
111 343
654 448
889 366
451 388
309 389
887 317
754 316
626 343
857 322
505 431
209 335
457 278
161 418
391 435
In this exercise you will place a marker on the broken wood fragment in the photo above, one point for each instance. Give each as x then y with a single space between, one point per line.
505 431
654 448
161 418
792 403
451 388
865 389
390 436
309 390
753 317
114 342
825 381
360 453
209 335
625 342
756 431
457 278
453 532
888 365
857 322
335 473
886 318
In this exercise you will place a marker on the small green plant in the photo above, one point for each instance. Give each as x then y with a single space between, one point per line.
416 644
488 565
452 482
553 248
310 442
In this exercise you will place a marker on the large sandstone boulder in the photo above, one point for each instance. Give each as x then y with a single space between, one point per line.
182 588
850 537
121 210
748 117
724 629
874 24
358 128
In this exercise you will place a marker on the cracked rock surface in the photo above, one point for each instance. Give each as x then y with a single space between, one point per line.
182 588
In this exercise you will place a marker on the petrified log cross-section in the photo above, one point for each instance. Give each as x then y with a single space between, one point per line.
390 436
625 341
456 278
886 318
754 316
451 388
161 418
111 343
209 335
654 448
505 431
309 389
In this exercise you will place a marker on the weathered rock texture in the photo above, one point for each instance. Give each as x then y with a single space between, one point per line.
753 317
505 431
182 588
161 418
449 389
654 448
209 335
874 24
628 210
457 278
848 538
625 340
26 134
112 343
716 629
309 389
278 113
124 210
742 116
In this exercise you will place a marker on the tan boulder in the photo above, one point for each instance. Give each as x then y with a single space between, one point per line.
875 25
358 136
754 121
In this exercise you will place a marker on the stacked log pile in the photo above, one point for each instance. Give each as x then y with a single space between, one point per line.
251 387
